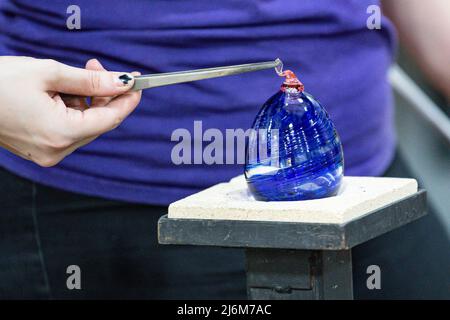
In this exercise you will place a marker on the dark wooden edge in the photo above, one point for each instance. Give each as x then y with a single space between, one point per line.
288 235
385 219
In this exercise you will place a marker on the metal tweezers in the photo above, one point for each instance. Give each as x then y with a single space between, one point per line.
164 79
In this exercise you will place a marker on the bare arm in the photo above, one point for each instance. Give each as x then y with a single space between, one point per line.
424 29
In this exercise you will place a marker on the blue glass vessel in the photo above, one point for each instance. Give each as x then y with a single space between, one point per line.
294 151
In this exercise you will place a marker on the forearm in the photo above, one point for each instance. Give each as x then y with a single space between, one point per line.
424 29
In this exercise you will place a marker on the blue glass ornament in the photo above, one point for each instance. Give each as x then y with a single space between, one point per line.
294 151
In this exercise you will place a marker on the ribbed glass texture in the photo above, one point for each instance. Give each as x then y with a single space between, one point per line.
294 151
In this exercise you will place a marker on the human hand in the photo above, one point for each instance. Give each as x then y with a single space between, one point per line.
43 111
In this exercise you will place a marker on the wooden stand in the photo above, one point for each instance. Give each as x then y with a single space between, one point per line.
295 260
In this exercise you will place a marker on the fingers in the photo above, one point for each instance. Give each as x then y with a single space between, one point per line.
105 118
107 115
81 125
50 120
79 102
75 102
101 119
65 79
94 64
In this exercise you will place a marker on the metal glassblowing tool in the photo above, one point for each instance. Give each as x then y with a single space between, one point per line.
164 79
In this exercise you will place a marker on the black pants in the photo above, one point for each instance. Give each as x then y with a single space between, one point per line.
414 260
44 230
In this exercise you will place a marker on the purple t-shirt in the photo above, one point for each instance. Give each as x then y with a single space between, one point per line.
327 43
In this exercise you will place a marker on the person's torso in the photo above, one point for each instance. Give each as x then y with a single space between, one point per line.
327 43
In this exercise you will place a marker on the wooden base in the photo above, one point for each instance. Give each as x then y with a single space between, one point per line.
295 260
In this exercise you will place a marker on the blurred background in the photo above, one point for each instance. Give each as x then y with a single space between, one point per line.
423 144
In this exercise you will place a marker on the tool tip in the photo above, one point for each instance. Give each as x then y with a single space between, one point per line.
278 66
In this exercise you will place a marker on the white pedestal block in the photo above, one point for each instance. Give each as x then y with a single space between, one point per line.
232 201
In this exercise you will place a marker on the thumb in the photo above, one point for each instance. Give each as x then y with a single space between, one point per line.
97 83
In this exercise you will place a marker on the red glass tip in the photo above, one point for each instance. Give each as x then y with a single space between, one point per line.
291 81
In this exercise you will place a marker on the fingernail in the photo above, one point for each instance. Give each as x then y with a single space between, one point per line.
124 79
